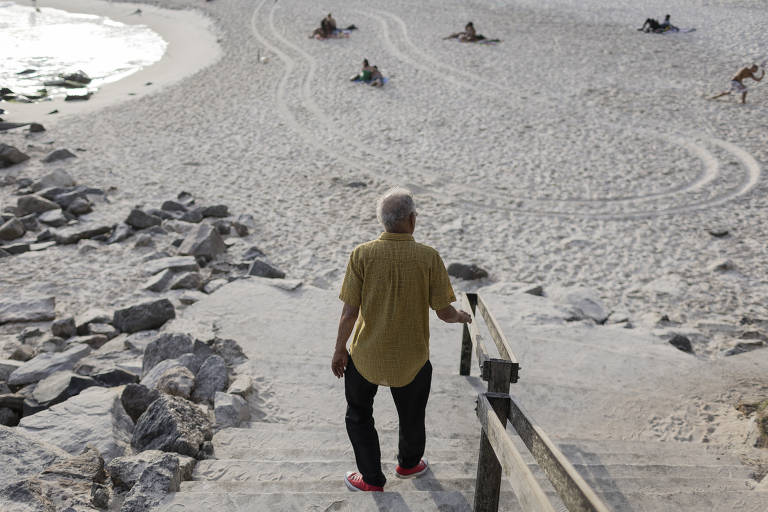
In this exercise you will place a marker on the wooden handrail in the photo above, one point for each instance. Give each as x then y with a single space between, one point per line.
493 327
474 334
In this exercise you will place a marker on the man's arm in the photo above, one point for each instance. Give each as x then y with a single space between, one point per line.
346 325
451 315
758 79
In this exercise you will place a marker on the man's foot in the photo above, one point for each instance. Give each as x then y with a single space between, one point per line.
413 472
355 482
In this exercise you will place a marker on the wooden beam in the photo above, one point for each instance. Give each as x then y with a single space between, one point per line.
576 494
493 327
528 491
474 334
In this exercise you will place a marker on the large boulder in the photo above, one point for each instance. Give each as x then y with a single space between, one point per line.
34 204
9 156
64 327
45 364
166 346
177 381
61 386
23 455
136 398
583 304
12 229
159 282
7 367
96 416
230 410
125 471
204 241
91 316
29 310
144 316
211 378
153 376
159 478
172 424
466 272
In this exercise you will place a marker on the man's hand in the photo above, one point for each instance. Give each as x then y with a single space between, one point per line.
339 362
463 317
451 315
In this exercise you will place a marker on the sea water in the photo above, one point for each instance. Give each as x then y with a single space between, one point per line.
52 41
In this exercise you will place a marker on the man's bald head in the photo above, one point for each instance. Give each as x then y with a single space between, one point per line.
394 209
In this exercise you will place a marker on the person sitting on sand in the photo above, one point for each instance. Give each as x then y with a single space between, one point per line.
667 26
365 75
377 79
328 29
470 35
650 25
737 82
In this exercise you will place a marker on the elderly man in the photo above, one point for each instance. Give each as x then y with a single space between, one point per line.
390 284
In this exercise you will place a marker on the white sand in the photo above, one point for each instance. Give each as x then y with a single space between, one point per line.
578 151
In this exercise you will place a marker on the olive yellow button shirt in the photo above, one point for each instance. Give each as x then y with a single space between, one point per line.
394 281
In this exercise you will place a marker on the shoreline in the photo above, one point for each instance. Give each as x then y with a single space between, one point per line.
192 46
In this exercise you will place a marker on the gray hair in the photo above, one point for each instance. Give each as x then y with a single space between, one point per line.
394 207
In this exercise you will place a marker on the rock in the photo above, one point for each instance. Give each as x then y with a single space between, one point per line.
36 128
95 341
119 233
584 303
53 218
30 222
205 241
718 232
152 377
52 344
12 229
139 219
537 291
41 246
34 204
177 381
44 365
99 329
60 386
193 216
136 398
91 316
191 297
100 496
240 229
58 154
261 268
4 253
721 265
80 206
212 286
242 385
144 240
74 234
253 253
166 346
64 328
30 310
466 272
172 424
159 478
680 342
23 353
125 471
16 248
9 156
8 417
211 378
230 410
8 366
173 206
230 350
23 455
12 401
138 341
217 211
57 178
177 264
114 377
187 281
223 227
742 347
95 416
162 214
144 316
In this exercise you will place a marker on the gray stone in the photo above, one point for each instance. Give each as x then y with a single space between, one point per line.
230 410
58 154
95 416
136 398
36 127
175 263
44 365
164 215
211 378
64 328
742 347
52 344
261 268
7 367
537 291
29 333
240 229
41 246
144 316
585 303
159 478
23 353
91 316
187 281
30 222
60 386
23 455
682 343
100 496
102 330
173 206
138 341
466 272
253 253
74 234
139 219
67 199
241 385
94 341
191 297
13 401
172 424
119 233
212 286
722 265
125 471
12 229
30 310
19 248
217 211
80 206
114 377
166 346
57 178
204 241
177 381
152 377
8 417
193 216
224 227
144 240
230 350
28 204
9 156
53 218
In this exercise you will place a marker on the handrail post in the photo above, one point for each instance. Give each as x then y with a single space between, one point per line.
466 340
488 482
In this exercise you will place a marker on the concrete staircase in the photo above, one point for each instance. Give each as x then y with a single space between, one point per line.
296 458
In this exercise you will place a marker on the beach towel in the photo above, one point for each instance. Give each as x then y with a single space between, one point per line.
359 80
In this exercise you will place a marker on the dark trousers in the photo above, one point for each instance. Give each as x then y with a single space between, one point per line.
411 404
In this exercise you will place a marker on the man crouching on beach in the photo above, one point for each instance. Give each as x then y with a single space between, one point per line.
390 284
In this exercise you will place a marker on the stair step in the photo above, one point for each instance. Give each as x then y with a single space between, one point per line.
450 501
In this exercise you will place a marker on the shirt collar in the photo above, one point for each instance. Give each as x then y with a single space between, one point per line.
397 237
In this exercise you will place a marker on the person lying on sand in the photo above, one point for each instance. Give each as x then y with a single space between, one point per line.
652 25
470 35
365 75
328 29
737 82
666 25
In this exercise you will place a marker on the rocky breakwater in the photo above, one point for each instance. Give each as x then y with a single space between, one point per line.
113 412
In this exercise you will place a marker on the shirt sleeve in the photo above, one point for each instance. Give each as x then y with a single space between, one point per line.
440 290
352 288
